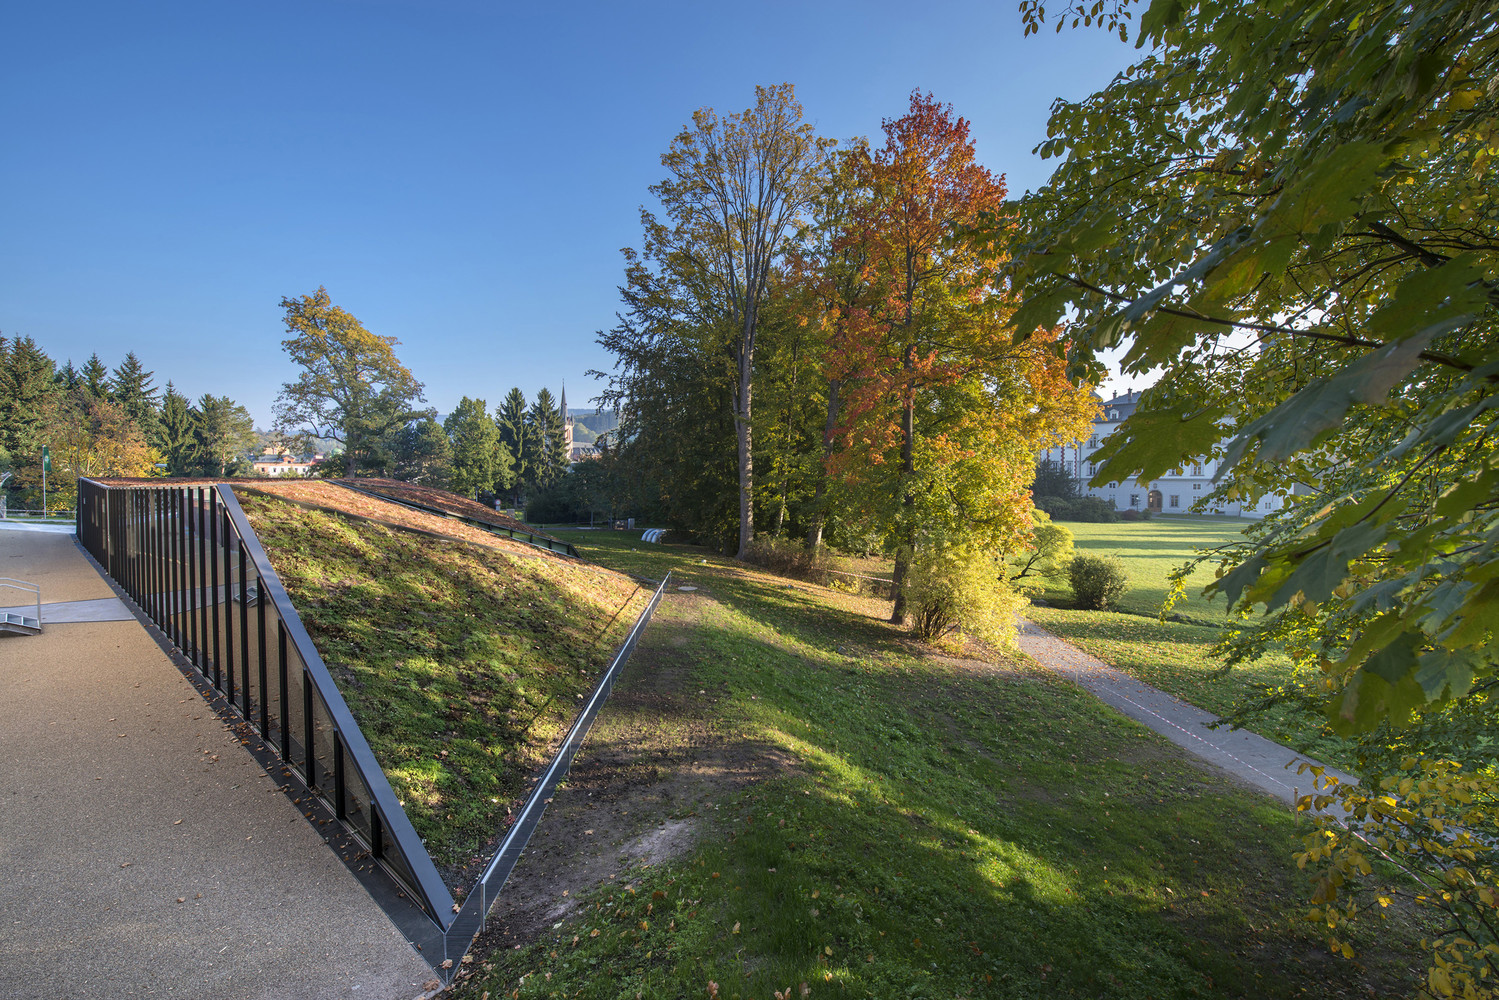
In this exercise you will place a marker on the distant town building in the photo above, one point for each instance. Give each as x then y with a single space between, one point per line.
1174 493
282 464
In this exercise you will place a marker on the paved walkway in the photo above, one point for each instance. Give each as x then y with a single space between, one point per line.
143 851
1250 757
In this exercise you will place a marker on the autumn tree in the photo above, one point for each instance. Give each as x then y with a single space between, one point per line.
737 187
351 388
942 411
1289 210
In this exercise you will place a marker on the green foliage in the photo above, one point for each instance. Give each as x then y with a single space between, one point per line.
174 433
480 461
1313 176
549 459
1054 481
957 587
222 432
1049 550
423 454
351 387
1098 582
1088 510
1289 209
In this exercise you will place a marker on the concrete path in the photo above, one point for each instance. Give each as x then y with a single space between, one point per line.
1252 758
143 851
101 609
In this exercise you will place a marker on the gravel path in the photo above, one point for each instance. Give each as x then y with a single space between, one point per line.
1252 758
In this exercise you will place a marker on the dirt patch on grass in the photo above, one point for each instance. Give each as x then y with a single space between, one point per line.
642 790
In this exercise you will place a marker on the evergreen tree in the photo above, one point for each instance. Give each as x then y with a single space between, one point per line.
423 453
131 387
94 379
67 376
481 462
175 439
550 458
516 433
27 386
222 431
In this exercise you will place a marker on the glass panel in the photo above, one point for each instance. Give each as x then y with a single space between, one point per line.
356 798
295 726
322 745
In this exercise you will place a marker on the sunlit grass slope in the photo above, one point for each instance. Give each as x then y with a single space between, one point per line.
943 830
462 664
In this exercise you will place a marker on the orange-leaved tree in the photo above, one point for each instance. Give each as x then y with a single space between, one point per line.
943 405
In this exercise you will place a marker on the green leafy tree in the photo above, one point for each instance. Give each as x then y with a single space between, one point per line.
93 381
481 463
223 432
352 388
1289 209
736 190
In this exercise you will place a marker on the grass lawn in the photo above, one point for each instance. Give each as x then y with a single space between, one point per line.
1176 656
941 829
463 664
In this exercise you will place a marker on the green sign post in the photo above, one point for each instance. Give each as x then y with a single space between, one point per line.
46 468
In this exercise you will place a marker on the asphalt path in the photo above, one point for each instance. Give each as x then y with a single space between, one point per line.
1263 763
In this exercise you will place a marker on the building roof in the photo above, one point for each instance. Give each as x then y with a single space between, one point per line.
1124 405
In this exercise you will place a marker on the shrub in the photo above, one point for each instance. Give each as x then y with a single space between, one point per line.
1087 509
1097 581
790 557
955 584
1047 555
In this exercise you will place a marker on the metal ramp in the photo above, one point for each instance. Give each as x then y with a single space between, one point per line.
16 623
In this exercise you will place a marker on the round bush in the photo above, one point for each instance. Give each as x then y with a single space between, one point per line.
1097 581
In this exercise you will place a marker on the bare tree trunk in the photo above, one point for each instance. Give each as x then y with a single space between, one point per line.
906 534
814 534
746 453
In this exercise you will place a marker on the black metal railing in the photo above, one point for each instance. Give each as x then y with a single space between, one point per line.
190 560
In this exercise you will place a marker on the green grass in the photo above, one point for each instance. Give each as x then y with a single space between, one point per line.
462 664
1150 550
1176 656
943 831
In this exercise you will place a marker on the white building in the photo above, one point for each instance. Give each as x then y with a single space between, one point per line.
1174 493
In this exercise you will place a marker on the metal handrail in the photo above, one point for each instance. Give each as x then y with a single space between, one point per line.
26 587
154 541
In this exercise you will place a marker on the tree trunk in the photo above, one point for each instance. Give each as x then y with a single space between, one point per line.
746 460
814 534
905 535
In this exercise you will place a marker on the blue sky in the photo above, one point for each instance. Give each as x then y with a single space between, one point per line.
460 175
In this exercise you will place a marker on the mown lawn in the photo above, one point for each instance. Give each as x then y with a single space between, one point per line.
946 829
462 664
1176 655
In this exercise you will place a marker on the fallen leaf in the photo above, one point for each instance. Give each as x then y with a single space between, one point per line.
736 928
181 899
447 963
176 822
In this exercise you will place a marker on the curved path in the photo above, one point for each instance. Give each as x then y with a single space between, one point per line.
144 851
1250 757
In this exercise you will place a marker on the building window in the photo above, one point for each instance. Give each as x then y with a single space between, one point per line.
1269 504
1197 486
1196 468
1134 499
1113 414
1093 441
1175 500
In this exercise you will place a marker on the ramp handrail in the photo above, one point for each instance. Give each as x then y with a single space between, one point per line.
25 587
